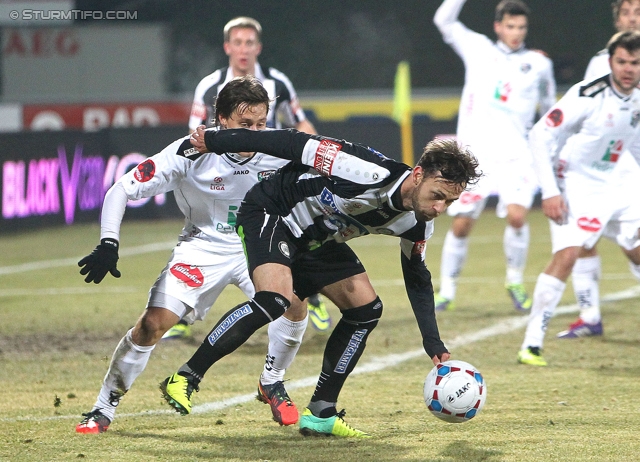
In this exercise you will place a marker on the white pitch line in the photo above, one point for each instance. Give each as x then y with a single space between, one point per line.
375 364
67 291
44 264
161 246
493 280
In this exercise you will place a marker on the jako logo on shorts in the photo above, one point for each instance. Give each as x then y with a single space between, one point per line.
228 322
351 349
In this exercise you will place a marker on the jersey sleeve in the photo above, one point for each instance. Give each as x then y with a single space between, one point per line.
547 87
328 156
113 208
417 281
548 135
634 148
464 41
160 173
289 109
198 114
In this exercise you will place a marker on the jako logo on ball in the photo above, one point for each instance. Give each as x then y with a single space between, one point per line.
455 391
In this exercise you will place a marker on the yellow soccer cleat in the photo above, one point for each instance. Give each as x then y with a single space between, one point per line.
177 332
521 300
177 390
318 314
531 356
443 304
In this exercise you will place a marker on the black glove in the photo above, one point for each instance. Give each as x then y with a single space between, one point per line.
103 258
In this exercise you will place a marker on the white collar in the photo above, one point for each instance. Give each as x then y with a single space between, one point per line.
258 73
506 49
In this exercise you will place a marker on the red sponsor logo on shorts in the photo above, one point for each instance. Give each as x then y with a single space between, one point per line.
325 156
190 275
418 247
589 224
469 198
554 118
145 171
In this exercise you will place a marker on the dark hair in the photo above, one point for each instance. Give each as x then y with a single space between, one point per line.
512 8
629 40
446 158
241 91
244 22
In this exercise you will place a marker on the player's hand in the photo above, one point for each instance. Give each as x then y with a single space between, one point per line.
555 209
101 261
197 139
442 357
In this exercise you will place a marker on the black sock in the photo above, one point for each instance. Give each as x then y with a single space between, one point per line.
314 299
344 348
235 327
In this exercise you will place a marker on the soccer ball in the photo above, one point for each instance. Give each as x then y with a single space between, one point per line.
455 391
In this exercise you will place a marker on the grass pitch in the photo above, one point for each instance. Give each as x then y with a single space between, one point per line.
57 335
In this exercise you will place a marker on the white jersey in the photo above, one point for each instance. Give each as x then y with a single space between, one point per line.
629 169
598 66
283 107
590 128
502 88
208 189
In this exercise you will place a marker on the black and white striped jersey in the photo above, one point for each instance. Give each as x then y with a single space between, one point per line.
337 190
283 109
333 189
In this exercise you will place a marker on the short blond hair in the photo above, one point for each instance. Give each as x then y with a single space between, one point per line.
245 22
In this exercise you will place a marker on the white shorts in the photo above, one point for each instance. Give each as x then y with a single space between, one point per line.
195 278
593 214
513 180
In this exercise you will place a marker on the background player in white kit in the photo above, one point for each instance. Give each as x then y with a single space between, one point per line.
585 276
593 126
243 45
504 84
208 257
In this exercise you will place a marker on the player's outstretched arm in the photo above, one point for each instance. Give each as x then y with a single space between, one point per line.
417 280
447 16
286 144
104 257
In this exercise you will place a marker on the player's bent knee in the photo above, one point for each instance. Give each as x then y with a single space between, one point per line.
272 303
366 315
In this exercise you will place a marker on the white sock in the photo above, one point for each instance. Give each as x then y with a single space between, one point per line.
516 249
635 270
127 363
454 255
546 297
285 337
585 278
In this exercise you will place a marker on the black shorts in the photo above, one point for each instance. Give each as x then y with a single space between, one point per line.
267 239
